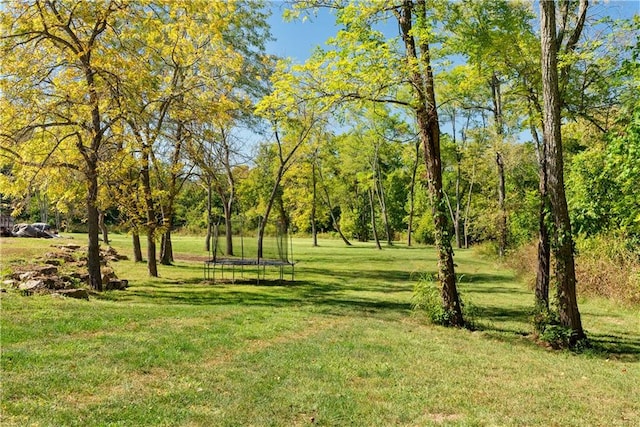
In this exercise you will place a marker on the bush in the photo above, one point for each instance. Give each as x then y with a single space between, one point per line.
427 300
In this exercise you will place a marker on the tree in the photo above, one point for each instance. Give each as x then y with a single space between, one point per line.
563 240
59 62
365 66
293 122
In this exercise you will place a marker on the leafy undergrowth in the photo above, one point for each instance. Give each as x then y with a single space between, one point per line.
337 346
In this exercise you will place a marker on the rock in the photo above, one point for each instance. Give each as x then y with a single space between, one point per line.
107 275
74 293
54 282
10 283
31 286
23 277
45 270
116 285
69 247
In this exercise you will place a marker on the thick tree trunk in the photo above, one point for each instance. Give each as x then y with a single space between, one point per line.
93 251
429 132
563 240
166 249
137 249
166 245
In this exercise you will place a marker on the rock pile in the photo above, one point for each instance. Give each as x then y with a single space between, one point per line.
63 272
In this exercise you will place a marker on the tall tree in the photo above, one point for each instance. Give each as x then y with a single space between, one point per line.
59 61
563 240
365 65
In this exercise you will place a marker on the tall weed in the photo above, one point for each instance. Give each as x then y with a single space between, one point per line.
606 266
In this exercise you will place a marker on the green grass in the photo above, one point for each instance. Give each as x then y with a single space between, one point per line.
339 346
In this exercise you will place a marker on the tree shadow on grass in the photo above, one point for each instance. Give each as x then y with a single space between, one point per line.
622 347
513 326
330 298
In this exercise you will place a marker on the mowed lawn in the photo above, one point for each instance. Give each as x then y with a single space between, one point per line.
338 346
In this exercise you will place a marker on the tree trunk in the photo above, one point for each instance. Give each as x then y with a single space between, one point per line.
314 231
228 228
502 244
496 95
412 189
456 219
93 250
166 249
152 265
542 271
429 132
381 199
265 218
563 240
137 250
467 209
103 228
336 225
207 240
374 229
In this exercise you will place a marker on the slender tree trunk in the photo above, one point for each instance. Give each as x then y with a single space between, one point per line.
467 209
374 229
228 228
137 249
544 254
429 131
103 228
314 231
152 265
265 218
502 246
563 240
334 220
207 240
496 95
456 219
412 190
381 198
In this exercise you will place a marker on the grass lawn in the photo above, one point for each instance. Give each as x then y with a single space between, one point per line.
338 346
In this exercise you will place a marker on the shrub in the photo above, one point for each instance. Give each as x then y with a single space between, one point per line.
427 300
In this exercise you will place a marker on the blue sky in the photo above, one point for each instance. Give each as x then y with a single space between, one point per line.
297 39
